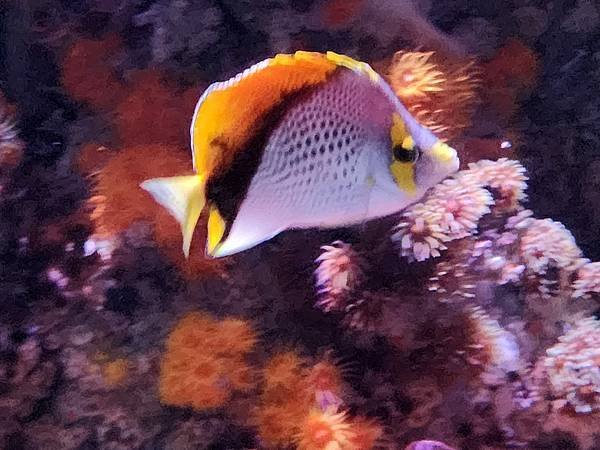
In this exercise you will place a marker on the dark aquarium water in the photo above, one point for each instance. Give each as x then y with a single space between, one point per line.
391 246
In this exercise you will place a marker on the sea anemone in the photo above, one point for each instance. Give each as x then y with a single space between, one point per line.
491 349
507 179
572 368
325 430
87 74
367 434
284 399
461 205
414 75
11 147
439 94
195 372
550 254
325 379
338 275
588 280
419 233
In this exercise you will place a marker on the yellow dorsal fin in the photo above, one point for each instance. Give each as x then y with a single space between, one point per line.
183 197
230 112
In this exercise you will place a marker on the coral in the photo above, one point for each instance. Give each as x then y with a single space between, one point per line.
339 273
325 379
11 146
419 233
547 247
203 365
505 177
491 348
367 434
461 206
284 399
572 368
154 111
325 430
588 280
87 74
440 94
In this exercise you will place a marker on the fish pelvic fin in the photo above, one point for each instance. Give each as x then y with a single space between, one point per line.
183 197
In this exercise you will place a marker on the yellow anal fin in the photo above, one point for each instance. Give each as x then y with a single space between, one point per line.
183 197
216 230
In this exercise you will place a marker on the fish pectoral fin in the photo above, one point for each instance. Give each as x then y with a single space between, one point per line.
183 197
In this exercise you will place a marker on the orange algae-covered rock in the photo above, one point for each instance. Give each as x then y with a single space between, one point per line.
87 74
118 199
196 372
155 112
441 94
511 73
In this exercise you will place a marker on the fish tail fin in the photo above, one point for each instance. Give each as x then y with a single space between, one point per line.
183 197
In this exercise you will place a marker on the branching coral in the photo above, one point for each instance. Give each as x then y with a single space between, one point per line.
441 95
87 74
205 362
573 367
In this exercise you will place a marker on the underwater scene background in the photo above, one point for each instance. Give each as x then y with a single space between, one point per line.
470 320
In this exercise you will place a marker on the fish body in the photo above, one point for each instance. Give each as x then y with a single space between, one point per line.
300 141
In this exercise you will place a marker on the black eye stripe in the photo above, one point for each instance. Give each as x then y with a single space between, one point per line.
405 155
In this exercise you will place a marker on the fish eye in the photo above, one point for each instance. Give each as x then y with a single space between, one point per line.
406 155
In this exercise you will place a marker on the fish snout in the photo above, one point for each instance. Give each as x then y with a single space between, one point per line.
445 157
